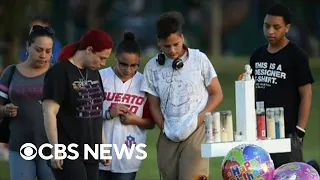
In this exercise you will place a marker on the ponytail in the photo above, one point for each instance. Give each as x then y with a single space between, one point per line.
68 51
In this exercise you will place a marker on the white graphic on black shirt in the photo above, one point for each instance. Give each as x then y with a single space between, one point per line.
90 99
267 74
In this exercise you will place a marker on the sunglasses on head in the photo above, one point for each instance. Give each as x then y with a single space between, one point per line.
38 28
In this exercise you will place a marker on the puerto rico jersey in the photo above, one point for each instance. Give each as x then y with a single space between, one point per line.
129 94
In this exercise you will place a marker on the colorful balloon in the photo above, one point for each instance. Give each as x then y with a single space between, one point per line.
296 171
251 152
247 162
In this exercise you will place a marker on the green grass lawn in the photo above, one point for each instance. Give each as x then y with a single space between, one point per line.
228 70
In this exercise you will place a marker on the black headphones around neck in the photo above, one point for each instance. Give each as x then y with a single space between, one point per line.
177 63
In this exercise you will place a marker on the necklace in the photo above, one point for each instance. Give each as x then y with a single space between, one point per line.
115 88
84 81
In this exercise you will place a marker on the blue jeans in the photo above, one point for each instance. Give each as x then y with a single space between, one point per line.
108 175
21 169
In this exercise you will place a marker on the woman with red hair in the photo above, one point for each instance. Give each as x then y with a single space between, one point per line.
72 104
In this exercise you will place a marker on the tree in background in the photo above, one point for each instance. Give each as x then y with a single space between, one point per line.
14 19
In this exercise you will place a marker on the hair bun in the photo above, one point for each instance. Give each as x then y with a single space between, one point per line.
129 36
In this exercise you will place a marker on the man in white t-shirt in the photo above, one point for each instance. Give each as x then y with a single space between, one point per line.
182 86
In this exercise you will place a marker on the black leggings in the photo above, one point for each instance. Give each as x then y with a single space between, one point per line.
77 169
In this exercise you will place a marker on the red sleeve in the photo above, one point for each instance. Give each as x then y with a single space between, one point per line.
146 111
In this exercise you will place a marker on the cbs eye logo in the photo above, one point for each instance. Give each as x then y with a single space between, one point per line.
28 151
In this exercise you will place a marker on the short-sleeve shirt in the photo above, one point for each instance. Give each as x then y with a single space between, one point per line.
127 93
183 93
79 119
24 92
278 77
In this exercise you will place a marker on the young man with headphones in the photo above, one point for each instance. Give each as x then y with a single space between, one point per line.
182 85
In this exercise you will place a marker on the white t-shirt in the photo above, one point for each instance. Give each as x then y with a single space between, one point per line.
183 93
127 93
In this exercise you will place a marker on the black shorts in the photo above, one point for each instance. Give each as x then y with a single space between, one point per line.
295 155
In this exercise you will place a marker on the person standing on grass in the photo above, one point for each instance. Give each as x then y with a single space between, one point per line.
20 96
73 104
182 85
126 109
283 79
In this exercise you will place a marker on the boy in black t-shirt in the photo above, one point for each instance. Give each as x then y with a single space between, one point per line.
283 79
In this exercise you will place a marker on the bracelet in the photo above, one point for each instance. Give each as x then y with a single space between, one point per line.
300 129
300 132
108 115
105 115
109 112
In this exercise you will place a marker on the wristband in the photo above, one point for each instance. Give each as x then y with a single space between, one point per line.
303 130
108 115
300 132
